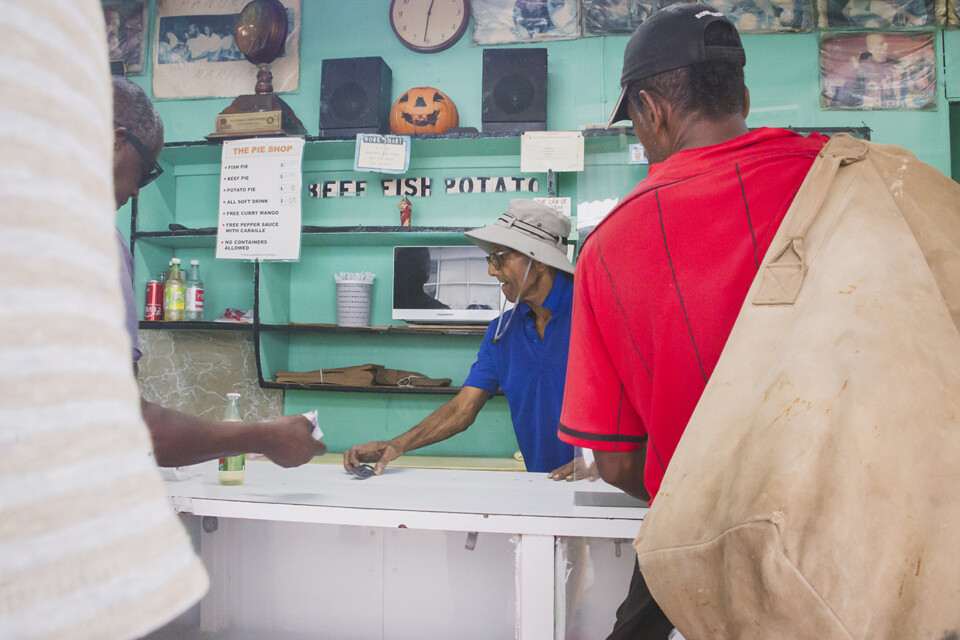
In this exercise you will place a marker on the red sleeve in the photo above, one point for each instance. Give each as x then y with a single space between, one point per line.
596 411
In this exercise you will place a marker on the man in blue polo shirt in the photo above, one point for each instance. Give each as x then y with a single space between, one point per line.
524 352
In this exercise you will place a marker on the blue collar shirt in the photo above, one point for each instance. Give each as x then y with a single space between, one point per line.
532 372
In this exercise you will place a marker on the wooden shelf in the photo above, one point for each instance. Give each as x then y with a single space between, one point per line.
449 391
191 325
394 330
317 236
427 145
299 327
455 135
189 239
383 235
198 152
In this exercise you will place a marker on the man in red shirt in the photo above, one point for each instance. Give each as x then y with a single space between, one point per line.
661 280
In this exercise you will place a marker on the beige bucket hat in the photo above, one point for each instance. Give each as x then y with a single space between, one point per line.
531 228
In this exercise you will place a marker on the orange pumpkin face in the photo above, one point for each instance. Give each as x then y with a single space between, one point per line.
423 110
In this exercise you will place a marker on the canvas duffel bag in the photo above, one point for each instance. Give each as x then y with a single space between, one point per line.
814 493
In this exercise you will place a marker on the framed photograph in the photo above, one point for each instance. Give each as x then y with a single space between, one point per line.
880 14
196 55
622 17
126 24
615 17
871 71
508 21
768 16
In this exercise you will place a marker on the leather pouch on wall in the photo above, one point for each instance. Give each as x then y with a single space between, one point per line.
363 375
398 378
354 376
813 492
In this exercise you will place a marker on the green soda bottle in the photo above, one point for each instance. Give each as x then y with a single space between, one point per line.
231 467
174 293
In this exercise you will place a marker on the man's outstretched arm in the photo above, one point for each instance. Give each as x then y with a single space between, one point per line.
445 422
180 439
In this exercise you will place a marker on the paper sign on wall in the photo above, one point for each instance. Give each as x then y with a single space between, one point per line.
638 154
560 205
386 154
260 205
542 151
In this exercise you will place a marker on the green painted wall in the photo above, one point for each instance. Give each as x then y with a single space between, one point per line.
951 63
955 140
782 74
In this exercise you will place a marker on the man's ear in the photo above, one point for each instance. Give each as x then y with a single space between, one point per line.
653 109
746 102
119 137
536 267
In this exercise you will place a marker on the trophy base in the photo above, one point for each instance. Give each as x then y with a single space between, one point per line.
263 114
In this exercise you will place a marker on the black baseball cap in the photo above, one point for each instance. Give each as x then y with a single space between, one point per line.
672 38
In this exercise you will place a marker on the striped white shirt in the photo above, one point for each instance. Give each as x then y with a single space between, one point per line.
89 546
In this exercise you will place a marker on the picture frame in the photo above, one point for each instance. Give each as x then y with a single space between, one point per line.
622 17
126 25
615 17
878 71
514 21
880 14
768 16
195 55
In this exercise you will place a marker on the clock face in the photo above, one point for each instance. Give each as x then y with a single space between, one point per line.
429 26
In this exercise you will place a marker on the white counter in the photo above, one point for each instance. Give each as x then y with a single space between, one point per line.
261 531
482 501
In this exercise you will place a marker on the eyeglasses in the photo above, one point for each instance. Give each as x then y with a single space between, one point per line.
147 157
496 259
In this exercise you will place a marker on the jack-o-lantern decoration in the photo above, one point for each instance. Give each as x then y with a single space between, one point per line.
423 110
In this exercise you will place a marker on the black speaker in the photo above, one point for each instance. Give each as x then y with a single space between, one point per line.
514 90
354 97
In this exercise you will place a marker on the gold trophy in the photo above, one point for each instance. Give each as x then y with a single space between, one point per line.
260 33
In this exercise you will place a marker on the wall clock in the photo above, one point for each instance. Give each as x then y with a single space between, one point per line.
429 26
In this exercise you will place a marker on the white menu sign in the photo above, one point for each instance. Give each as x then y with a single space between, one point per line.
260 185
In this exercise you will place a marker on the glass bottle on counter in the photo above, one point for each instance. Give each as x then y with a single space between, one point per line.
162 279
174 293
232 467
193 307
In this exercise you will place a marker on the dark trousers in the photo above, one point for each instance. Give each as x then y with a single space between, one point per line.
639 617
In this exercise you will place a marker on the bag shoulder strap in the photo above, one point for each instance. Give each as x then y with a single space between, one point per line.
782 276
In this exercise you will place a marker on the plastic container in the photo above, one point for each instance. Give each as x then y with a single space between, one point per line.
353 303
